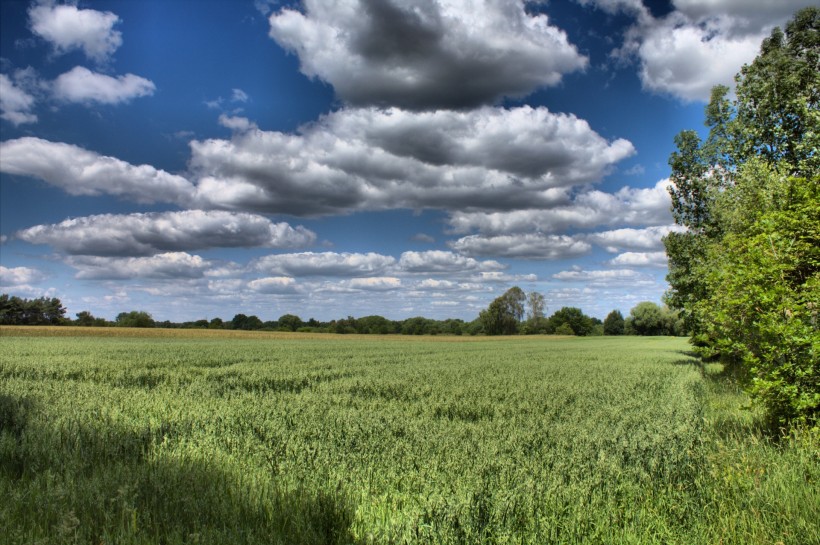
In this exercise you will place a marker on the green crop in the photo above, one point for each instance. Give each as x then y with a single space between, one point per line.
291 439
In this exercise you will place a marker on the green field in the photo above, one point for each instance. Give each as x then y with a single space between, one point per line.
118 436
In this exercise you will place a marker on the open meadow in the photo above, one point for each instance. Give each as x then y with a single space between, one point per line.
122 436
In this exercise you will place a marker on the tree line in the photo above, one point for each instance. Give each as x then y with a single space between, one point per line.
745 273
513 313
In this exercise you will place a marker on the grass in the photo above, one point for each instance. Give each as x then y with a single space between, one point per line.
168 436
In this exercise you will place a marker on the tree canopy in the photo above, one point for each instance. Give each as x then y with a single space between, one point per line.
746 272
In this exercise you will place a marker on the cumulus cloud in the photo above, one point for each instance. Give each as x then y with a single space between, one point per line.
168 266
522 246
67 28
325 264
371 159
160 232
438 261
629 206
380 283
640 259
15 103
19 276
426 54
605 276
274 284
82 85
702 43
81 172
648 238
686 60
501 277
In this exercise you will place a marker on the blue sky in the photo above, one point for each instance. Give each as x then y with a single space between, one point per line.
333 158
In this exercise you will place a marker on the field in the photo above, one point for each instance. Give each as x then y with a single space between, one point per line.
125 436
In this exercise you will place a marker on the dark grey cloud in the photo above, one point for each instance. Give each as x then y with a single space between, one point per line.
82 172
372 159
426 54
168 266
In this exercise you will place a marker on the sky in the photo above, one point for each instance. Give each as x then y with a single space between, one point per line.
334 158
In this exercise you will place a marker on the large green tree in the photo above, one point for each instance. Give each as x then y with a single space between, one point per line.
504 314
745 273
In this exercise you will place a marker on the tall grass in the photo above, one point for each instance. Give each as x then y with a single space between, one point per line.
297 439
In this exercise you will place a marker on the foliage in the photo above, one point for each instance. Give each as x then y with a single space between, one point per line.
745 274
504 313
614 323
135 318
289 322
17 311
575 321
173 436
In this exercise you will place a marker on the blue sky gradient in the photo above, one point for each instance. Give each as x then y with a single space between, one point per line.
325 159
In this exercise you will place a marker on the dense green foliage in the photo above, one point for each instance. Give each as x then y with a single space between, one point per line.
19 311
614 323
135 318
746 272
308 439
648 318
504 314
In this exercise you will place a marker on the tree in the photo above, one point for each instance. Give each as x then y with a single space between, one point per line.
290 322
614 323
41 311
504 313
536 304
647 319
744 274
135 318
85 318
574 318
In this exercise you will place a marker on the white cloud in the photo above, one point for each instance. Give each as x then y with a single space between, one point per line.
274 284
500 277
82 172
702 43
438 261
238 95
745 14
67 28
648 238
167 266
15 103
82 85
325 264
426 54
522 246
380 283
19 276
151 233
599 276
370 159
591 208
640 259
235 123
687 60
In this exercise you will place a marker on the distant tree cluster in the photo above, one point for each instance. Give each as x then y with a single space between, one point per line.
513 313
43 311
